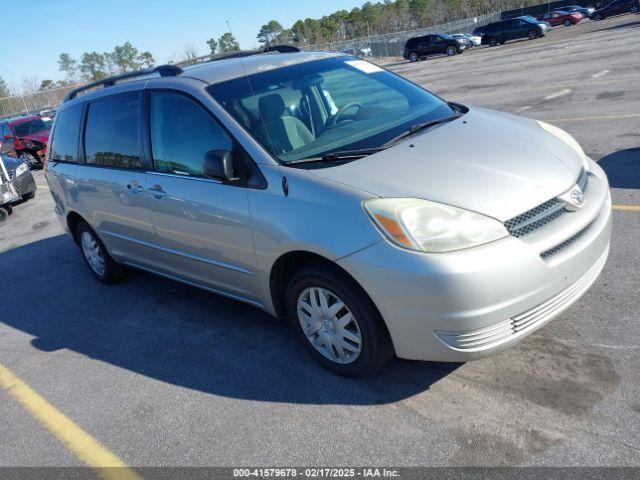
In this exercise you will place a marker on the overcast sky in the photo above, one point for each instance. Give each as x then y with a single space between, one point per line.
35 32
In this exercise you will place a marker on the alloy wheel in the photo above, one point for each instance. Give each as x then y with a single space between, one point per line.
92 253
329 325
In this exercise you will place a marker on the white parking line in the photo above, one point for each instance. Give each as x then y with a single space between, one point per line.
561 93
600 74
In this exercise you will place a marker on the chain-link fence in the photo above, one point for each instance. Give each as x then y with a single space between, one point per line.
33 103
391 44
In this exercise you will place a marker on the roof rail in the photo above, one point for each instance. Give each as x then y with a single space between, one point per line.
163 70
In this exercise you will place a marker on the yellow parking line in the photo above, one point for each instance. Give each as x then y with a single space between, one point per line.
83 445
596 117
42 186
627 208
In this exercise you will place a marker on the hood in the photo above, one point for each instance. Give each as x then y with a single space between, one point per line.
42 137
488 162
11 163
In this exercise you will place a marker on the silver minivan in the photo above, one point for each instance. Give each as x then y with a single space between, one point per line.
379 218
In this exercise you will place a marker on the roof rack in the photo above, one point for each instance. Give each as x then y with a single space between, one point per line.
239 54
163 70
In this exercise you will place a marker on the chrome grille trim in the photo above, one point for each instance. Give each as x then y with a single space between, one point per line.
494 335
544 213
561 246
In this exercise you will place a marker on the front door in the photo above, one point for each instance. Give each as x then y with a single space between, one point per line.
203 226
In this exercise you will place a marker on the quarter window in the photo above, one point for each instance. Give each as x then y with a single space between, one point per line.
64 143
181 133
111 135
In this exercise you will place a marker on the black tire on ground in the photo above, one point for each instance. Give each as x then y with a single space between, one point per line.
634 9
450 50
493 41
414 57
376 349
597 17
4 214
567 23
532 34
113 272
29 196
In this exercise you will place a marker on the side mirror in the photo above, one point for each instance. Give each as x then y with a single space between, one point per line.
218 164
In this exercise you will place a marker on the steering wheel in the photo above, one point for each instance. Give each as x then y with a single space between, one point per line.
338 115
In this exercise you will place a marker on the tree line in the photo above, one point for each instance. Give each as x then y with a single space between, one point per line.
379 19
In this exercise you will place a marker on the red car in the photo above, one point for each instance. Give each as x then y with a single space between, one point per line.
561 18
27 137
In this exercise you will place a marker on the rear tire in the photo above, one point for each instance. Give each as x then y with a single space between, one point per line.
532 34
634 9
597 17
567 23
324 335
4 214
96 257
493 41
28 196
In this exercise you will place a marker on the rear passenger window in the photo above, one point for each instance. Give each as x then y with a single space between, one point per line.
181 133
111 134
64 142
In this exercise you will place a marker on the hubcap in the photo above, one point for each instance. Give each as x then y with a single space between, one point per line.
329 325
92 253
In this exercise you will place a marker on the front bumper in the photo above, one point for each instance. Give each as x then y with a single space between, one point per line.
469 304
25 184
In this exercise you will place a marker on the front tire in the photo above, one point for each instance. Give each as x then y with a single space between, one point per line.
337 322
567 23
597 17
96 257
493 41
414 57
532 34
634 9
29 196
450 51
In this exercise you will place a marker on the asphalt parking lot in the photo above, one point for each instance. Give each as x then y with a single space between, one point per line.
164 374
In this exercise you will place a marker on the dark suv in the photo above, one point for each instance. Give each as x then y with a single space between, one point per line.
617 7
512 29
418 48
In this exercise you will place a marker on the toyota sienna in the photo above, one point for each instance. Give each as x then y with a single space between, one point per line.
379 218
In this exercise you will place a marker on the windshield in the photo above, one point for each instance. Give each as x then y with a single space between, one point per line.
32 126
335 104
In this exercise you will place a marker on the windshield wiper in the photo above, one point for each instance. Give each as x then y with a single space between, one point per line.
341 155
420 126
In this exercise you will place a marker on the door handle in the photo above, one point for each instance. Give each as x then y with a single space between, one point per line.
134 187
157 192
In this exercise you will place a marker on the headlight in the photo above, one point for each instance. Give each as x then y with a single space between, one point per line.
431 227
568 139
22 168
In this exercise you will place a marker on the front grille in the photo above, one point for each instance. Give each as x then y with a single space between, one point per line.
561 246
535 218
493 335
539 216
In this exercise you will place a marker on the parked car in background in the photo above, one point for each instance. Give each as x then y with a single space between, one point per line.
561 18
585 11
400 224
50 112
512 29
470 40
617 7
360 52
534 19
20 176
419 48
478 31
27 137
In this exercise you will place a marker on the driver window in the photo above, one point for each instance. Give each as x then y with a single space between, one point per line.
181 133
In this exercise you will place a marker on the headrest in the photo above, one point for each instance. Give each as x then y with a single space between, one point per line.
271 106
